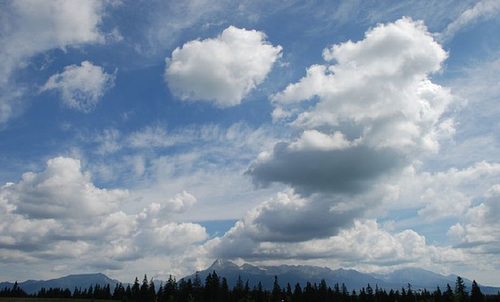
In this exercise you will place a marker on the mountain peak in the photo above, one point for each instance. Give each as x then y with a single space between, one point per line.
222 264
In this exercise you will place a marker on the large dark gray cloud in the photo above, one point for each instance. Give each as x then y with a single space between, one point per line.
349 170
291 218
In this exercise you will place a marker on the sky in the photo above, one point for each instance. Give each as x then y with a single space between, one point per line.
153 137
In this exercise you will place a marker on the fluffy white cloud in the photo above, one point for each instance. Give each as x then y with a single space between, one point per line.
379 84
30 27
182 202
59 213
364 245
376 111
81 87
62 191
440 195
222 70
33 26
479 232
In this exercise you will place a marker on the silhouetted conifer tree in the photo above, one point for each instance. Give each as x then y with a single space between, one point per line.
198 291
461 294
475 293
238 289
170 290
212 287
276 293
136 290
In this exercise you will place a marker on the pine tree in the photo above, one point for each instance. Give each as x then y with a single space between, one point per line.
297 293
238 289
136 290
212 287
448 294
475 294
128 292
437 295
224 291
276 293
144 290
288 293
345 293
461 294
323 291
259 295
170 289
151 291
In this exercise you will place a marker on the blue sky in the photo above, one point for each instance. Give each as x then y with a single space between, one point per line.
156 136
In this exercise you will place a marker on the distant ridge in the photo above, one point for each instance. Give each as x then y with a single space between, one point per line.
354 280
71 281
418 278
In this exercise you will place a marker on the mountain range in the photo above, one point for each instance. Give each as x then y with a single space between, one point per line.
418 278
79 281
354 280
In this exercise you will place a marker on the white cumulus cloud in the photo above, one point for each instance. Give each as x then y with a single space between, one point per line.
31 27
479 232
60 214
61 191
376 110
222 70
363 245
81 87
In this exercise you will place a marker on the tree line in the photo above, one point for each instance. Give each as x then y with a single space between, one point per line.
216 289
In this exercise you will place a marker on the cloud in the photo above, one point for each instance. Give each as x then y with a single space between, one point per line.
347 170
371 113
363 245
362 123
81 87
479 232
210 167
158 137
480 82
222 70
62 191
60 214
286 218
182 202
108 141
278 226
10 103
34 26
31 27
440 195
482 10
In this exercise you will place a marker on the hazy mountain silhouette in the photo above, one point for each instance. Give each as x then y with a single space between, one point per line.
79 281
354 280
